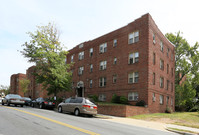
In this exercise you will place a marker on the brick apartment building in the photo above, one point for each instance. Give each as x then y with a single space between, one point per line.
136 61
15 85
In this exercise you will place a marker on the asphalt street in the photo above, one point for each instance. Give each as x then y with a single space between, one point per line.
33 121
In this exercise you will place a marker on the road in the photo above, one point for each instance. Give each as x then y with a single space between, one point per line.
33 121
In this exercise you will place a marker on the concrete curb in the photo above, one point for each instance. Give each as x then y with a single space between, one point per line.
180 132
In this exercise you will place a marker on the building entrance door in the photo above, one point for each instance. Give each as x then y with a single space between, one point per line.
79 92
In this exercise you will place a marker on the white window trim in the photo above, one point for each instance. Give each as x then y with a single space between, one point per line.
103 81
103 65
132 36
103 48
133 57
133 96
133 75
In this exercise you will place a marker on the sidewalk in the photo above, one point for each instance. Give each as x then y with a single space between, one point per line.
152 125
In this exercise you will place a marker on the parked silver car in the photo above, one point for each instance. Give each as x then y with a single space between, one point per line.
78 105
13 99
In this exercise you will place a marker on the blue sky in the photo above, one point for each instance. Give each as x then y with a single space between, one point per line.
83 20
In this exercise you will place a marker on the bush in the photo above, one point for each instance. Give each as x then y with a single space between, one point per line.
93 97
141 103
115 99
168 110
123 100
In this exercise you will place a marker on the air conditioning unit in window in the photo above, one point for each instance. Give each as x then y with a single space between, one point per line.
153 41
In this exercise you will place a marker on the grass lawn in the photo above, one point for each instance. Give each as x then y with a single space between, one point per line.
189 119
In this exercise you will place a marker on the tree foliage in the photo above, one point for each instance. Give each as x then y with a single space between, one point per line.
46 51
24 85
186 66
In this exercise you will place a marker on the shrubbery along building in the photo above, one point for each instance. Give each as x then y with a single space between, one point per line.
136 61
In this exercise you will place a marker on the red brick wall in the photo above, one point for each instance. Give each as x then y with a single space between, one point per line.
122 111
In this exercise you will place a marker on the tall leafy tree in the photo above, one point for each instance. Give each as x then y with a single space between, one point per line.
46 51
24 85
186 66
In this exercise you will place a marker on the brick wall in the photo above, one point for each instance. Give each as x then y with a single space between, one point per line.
122 111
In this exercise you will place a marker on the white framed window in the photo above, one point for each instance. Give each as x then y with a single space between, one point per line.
133 77
103 48
133 96
161 64
72 58
102 97
114 42
168 50
161 82
154 38
81 55
161 99
161 46
81 45
133 37
91 67
91 83
102 81
153 97
103 65
133 57
167 100
115 61
80 70
171 101
114 78
91 52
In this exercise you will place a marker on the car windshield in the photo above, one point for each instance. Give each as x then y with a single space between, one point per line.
89 102
26 98
14 96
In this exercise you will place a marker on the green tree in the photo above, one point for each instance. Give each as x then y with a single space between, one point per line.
186 65
46 51
24 85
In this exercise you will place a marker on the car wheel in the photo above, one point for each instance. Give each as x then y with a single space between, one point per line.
76 112
2 102
8 103
41 106
32 105
15 104
60 109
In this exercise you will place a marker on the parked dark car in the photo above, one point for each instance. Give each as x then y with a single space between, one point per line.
27 101
13 99
42 103
78 105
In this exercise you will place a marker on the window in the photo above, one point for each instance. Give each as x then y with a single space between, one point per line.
171 86
153 97
167 68
133 57
72 58
153 78
161 99
91 52
80 70
103 65
114 42
167 100
81 55
171 101
133 37
114 78
133 77
161 82
172 72
102 97
102 82
81 45
168 50
133 96
167 85
103 48
154 58
161 46
153 38
91 83
161 64
172 56
115 61
91 67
